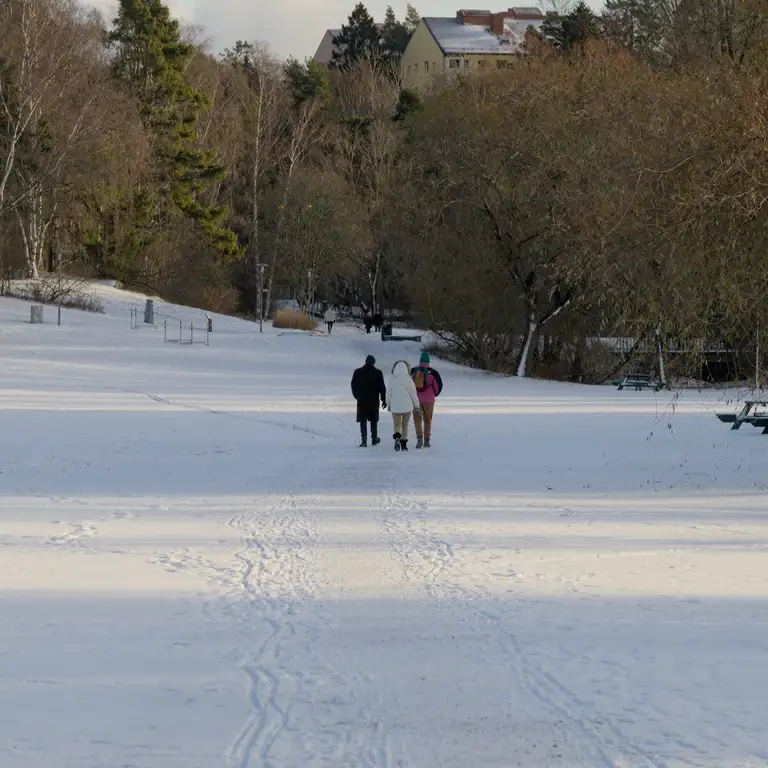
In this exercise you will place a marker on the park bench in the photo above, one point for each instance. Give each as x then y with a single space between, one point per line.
387 335
639 381
747 416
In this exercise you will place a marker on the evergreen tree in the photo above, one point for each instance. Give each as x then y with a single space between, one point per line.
360 40
636 24
412 18
151 59
408 103
394 36
307 81
565 31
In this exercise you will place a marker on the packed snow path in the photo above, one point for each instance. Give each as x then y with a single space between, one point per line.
200 569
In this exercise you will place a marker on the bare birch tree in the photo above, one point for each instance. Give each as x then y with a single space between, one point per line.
50 108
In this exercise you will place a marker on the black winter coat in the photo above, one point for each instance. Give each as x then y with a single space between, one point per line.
368 389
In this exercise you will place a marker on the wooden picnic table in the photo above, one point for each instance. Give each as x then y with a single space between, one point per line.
639 381
747 415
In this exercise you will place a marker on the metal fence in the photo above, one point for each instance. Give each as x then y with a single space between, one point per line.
188 333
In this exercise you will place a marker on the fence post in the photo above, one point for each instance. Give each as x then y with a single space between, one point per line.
165 330
191 333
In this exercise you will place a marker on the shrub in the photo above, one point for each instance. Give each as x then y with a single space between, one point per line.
71 292
289 318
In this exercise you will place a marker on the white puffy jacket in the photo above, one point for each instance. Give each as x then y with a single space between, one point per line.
330 315
401 391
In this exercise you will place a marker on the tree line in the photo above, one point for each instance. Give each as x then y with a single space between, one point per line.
610 185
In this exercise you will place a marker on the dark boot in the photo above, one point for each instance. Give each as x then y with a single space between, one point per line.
396 436
363 434
403 445
374 433
419 441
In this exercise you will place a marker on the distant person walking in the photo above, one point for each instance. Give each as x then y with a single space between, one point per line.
428 385
367 322
368 389
330 319
402 400
378 321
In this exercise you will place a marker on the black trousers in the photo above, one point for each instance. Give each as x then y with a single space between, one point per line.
364 430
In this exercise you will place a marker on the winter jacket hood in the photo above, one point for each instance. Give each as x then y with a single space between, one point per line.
401 391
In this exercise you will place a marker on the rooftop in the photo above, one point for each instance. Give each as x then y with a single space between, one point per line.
454 37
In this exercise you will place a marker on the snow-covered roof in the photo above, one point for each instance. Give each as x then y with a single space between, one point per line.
454 37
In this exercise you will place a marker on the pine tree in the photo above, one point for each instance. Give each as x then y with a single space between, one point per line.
412 18
636 24
307 81
360 40
571 29
394 36
408 103
151 59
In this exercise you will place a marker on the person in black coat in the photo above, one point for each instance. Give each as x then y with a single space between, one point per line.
368 389
378 321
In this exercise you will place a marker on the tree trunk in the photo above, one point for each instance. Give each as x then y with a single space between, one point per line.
252 268
34 228
31 266
522 365
267 301
757 360
374 275
253 258
577 367
660 346
534 323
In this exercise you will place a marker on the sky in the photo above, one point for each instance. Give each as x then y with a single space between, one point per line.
292 27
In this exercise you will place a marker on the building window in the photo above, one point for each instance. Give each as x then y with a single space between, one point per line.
426 66
503 64
409 71
453 63
481 64
416 69
466 63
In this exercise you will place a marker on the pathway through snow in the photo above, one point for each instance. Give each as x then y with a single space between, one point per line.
199 569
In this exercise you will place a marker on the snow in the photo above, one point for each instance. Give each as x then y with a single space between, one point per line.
199 568
457 38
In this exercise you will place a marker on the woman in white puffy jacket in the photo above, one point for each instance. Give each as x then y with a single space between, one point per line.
402 400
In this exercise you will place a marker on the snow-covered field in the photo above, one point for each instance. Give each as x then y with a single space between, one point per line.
200 569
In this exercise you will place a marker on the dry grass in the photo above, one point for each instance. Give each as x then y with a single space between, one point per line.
289 318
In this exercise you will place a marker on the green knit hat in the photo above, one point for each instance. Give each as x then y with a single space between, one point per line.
424 359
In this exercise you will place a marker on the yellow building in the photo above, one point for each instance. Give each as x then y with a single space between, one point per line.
473 41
